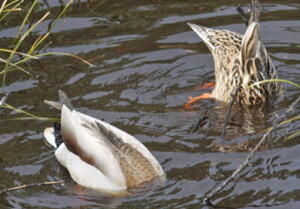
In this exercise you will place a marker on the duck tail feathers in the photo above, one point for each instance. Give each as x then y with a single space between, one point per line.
203 33
254 12
63 100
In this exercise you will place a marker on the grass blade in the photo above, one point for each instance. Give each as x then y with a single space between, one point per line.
275 80
26 19
30 116
13 65
20 53
66 54
294 134
2 6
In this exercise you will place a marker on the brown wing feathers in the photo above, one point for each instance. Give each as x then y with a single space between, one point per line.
136 168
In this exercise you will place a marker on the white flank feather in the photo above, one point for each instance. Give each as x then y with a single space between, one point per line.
86 175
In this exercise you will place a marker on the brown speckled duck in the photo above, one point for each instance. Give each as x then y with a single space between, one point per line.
240 61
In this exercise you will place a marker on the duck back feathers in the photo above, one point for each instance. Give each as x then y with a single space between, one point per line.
109 153
240 61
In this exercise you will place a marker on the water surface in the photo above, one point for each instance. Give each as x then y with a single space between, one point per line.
147 62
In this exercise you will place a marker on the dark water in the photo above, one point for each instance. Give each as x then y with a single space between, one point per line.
148 61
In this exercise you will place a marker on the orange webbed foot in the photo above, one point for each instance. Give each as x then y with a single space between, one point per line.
192 100
205 86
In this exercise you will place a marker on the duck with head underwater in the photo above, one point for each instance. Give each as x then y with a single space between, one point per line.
98 155
240 61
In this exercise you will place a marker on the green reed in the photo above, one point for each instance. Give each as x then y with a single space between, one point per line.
276 80
17 57
12 63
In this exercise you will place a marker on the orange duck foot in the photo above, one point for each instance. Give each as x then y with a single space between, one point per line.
192 100
205 85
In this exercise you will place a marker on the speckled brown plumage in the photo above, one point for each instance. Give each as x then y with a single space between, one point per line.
136 168
240 61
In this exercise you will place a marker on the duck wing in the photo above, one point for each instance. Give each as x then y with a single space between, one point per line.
115 153
136 167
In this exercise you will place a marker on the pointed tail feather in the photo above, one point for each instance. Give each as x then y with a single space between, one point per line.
56 105
251 42
202 32
53 134
63 100
253 15
254 12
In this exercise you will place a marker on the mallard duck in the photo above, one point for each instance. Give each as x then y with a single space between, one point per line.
240 61
98 155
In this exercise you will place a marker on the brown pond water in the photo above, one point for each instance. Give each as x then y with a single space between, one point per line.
148 61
